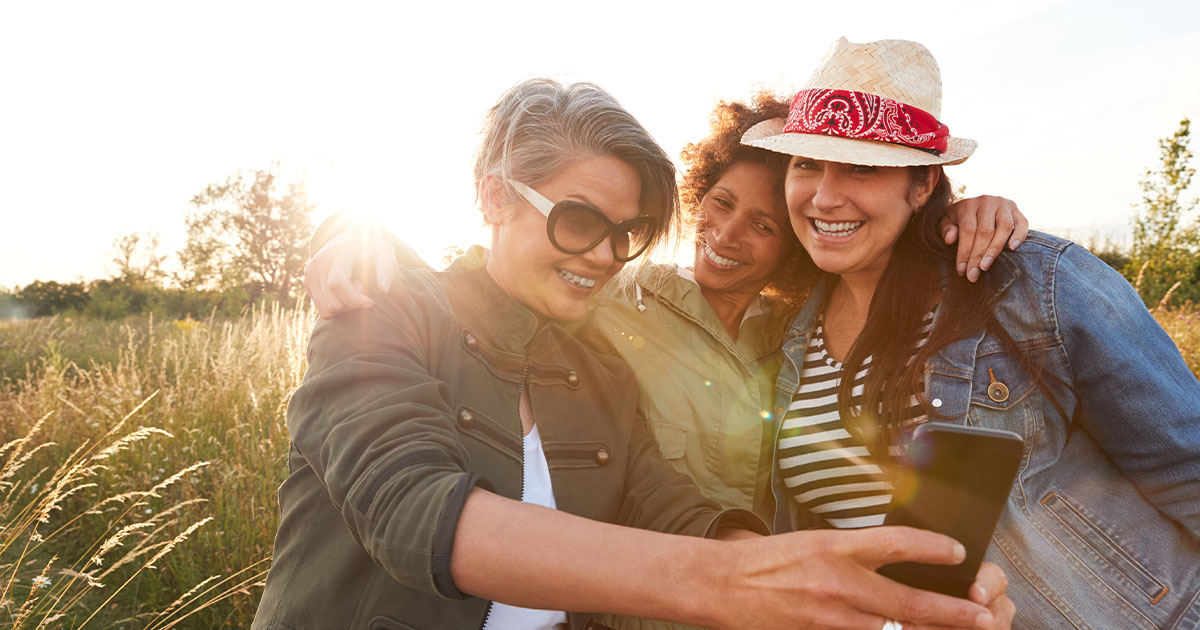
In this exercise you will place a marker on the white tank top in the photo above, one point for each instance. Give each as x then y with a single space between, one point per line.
538 492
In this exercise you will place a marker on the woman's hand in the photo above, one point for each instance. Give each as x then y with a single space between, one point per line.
983 226
990 589
337 274
826 579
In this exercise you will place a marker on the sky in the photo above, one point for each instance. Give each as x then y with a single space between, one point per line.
114 114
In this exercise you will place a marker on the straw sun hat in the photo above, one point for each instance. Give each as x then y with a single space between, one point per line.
875 104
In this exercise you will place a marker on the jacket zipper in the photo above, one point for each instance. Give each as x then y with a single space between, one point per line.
521 450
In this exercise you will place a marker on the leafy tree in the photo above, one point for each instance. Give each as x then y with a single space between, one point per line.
47 298
248 231
1166 238
115 298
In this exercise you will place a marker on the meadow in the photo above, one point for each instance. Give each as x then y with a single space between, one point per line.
142 442
140 459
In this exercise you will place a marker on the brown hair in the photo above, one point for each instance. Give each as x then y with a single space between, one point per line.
705 161
920 264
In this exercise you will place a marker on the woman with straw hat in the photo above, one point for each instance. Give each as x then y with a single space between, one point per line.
458 459
1102 529
702 341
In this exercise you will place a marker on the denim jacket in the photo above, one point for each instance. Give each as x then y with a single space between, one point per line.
1102 528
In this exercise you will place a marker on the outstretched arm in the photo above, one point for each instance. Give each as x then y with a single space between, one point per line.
813 579
372 423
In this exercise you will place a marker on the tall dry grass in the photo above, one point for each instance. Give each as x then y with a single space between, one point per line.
1183 324
207 440
157 427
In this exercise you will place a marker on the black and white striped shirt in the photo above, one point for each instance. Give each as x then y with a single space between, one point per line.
824 467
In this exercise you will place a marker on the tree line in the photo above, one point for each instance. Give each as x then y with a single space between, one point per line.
247 241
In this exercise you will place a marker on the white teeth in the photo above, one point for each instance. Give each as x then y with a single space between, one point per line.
586 283
840 228
720 260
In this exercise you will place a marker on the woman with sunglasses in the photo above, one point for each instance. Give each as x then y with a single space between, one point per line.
456 447
1102 528
703 342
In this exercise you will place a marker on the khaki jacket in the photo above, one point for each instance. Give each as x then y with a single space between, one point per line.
707 397
408 406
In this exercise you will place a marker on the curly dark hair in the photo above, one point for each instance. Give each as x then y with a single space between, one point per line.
705 161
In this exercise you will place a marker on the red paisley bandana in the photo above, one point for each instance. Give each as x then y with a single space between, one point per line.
865 116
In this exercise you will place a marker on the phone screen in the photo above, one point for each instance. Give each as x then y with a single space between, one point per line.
956 483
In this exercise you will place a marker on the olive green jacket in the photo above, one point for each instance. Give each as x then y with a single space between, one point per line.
408 406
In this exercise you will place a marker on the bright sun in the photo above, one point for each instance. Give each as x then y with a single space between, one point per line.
431 215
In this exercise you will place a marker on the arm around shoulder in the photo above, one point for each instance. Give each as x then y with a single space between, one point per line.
360 230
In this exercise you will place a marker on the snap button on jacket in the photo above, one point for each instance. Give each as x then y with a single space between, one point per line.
408 406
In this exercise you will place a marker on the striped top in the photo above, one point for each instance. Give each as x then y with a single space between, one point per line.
825 468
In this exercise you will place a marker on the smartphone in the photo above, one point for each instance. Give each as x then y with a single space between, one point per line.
956 482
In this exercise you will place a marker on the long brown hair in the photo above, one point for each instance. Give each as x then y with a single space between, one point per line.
918 267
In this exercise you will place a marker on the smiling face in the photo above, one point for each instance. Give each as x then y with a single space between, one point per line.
849 217
524 262
745 236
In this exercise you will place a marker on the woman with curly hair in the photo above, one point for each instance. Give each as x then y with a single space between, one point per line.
703 341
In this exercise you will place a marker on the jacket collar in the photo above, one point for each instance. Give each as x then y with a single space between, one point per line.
813 305
958 357
485 309
761 331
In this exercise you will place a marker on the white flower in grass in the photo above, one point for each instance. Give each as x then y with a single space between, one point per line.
41 581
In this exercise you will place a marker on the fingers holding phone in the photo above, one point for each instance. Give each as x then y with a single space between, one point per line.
991 590
827 579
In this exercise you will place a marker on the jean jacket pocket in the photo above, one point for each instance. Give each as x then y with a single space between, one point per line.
1096 548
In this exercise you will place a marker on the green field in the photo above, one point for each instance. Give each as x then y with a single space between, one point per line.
146 440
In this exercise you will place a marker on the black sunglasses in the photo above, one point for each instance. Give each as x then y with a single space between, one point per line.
575 227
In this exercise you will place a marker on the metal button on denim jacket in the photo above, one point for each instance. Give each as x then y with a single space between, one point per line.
1102 528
